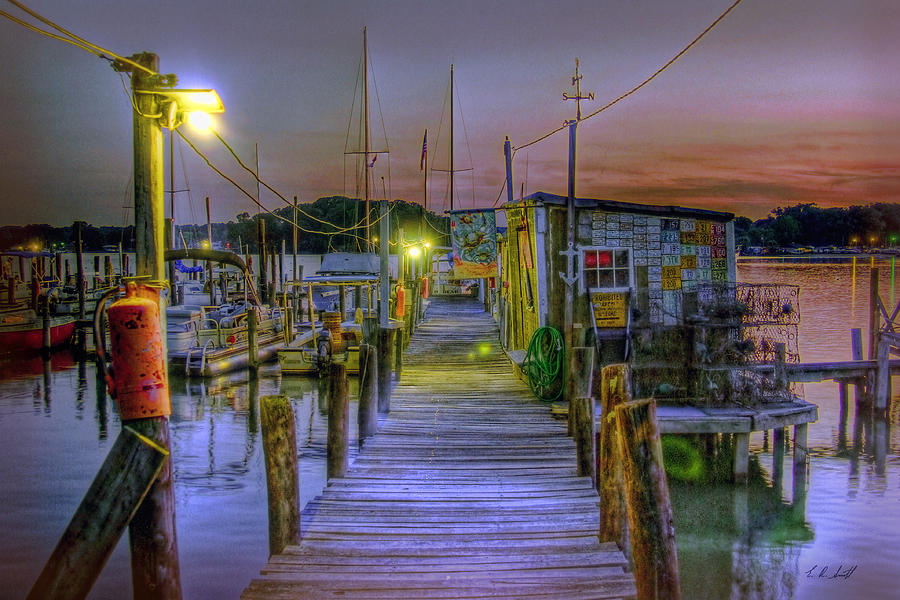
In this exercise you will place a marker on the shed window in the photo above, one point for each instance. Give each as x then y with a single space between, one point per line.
605 268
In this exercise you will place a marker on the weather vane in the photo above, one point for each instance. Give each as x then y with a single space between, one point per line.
576 81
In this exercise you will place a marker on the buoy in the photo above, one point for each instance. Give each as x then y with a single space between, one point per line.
138 380
401 302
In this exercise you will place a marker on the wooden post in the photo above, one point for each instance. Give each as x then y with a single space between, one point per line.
273 279
584 435
79 266
338 422
127 474
741 456
582 407
614 390
649 511
155 571
874 313
856 351
843 416
781 380
882 375
261 250
385 352
279 439
367 417
252 341
777 457
801 456
45 329
399 335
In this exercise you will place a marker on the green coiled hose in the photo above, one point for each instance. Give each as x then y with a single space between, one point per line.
544 362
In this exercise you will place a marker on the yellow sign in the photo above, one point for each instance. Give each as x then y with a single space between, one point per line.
610 308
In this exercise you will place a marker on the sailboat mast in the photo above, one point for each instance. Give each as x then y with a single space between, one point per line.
452 173
366 133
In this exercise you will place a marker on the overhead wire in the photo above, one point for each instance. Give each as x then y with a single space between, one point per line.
49 34
644 82
73 39
338 230
270 188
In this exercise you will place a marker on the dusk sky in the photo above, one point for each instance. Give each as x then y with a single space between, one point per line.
783 102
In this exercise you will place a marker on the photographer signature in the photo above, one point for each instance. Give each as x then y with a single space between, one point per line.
826 572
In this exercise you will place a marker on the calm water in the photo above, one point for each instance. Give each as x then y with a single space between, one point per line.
734 543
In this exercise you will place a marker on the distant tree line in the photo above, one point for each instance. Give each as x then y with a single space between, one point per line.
46 237
810 225
801 224
315 235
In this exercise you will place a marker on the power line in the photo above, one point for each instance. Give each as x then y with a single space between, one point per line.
71 38
643 83
338 230
273 190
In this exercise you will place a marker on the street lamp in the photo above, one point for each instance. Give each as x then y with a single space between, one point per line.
178 105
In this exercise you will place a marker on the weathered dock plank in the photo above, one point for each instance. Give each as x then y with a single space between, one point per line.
468 490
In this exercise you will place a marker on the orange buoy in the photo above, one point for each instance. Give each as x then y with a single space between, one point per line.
138 381
400 310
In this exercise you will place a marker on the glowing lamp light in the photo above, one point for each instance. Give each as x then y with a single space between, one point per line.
199 120
427 244
189 104
414 251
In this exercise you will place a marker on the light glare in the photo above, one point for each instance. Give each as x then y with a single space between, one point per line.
199 120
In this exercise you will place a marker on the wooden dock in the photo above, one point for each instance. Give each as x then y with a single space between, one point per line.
468 490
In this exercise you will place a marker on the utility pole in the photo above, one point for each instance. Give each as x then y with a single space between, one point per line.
155 570
571 275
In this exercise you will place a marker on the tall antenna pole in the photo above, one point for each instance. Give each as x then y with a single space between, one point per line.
451 137
571 275
366 132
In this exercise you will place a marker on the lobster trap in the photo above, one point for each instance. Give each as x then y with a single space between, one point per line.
709 344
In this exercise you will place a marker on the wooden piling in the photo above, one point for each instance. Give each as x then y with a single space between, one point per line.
79 266
261 249
801 456
130 469
155 571
367 417
398 348
874 313
649 511
882 376
252 341
385 368
614 390
583 411
741 456
45 325
777 457
584 436
337 456
280 451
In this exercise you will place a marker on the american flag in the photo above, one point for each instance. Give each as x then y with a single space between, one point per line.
424 150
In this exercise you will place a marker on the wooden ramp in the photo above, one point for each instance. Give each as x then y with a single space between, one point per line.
467 491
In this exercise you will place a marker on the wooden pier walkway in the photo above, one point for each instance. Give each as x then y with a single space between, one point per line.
467 491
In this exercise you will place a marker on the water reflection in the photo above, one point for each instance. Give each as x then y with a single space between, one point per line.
745 539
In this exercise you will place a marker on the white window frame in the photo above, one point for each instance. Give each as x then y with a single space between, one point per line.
581 270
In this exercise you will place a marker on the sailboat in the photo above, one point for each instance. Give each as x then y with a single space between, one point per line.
338 340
